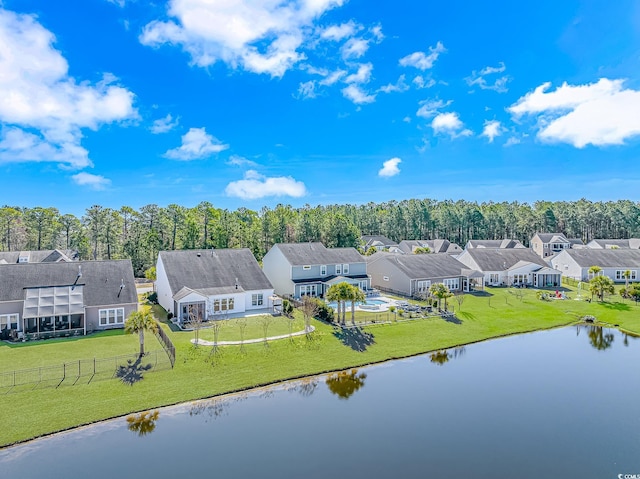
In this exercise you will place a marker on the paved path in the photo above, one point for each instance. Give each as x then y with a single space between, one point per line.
203 342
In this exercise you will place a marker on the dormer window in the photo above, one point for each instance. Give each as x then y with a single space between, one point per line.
323 270
338 269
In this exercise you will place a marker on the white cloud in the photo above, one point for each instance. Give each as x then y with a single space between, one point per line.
450 124
45 107
255 186
499 84
238 160
512 141
307 89
390 168
196 144
430 108
261 37
357 95
333 77
601 113
339 32
492 129
354 48
407 119
95 182
363 75
120 3
398 86
377 34
163 125
420 82
422 61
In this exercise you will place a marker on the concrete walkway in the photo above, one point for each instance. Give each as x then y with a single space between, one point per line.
203 342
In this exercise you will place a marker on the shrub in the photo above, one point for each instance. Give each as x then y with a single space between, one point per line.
287 308
588 318
325 312
169 315
153 297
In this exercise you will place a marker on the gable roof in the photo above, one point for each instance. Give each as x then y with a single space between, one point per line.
300 254
436 246
552 238
100 279
418 266
213 271
495 244
496 259
377 240
612 258
631 243
42 256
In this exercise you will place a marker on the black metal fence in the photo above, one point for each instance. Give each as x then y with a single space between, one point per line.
84 371
166 344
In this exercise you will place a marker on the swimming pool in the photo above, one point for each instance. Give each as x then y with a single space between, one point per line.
377 302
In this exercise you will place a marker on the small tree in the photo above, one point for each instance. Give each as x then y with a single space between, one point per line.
242 327
355 295
309 308
594 271
265 321
150 273
195 321
627 275
459 299
440 291
139 322
601 285
287 308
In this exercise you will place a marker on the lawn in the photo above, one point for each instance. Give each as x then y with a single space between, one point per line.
198 373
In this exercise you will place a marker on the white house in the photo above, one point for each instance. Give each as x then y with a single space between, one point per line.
509 267
614 262
211 283
309 269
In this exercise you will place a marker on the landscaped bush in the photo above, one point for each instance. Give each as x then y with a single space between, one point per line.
153 298
588 318
325 312
169 315
287 308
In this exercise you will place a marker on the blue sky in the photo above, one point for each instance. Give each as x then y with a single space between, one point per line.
254 103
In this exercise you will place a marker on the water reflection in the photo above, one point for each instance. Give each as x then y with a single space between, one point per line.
442 357
344 384
305 387
600 338
143 423
216 407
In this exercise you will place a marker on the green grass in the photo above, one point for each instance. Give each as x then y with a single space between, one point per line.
197 374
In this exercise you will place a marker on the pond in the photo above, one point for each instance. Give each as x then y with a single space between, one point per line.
561 403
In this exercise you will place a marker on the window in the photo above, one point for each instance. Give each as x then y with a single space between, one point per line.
110 317
257 299
308 290
620 274
338 269
494 278
323 270
452 284
223 304
345 269
8 321
423 286
306 267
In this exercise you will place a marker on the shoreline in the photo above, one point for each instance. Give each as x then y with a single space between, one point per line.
259 386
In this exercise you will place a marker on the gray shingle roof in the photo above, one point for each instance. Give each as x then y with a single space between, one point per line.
101 280
377 240
502 244
620 258
300 254
211 271
632 243
436 246
422 266
42 256
553 238
496 259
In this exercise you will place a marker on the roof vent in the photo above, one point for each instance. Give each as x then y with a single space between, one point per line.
78 276
121 286
236 283
198 255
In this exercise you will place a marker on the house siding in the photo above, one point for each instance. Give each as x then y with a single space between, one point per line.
91 316
163 290
278 271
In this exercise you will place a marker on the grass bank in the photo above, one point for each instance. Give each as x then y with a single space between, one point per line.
198 374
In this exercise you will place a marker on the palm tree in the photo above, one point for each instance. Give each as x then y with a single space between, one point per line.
139 322
356 294
594 271
440 291
333 294
601 285
340 293
627 275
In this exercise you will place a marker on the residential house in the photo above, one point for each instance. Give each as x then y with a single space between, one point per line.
379 242
41 256
494 244
42 300
435 246
511 267
631 243
310 269
614 262
548 244
413 274
204 284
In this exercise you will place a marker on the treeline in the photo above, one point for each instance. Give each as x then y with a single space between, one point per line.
105 233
